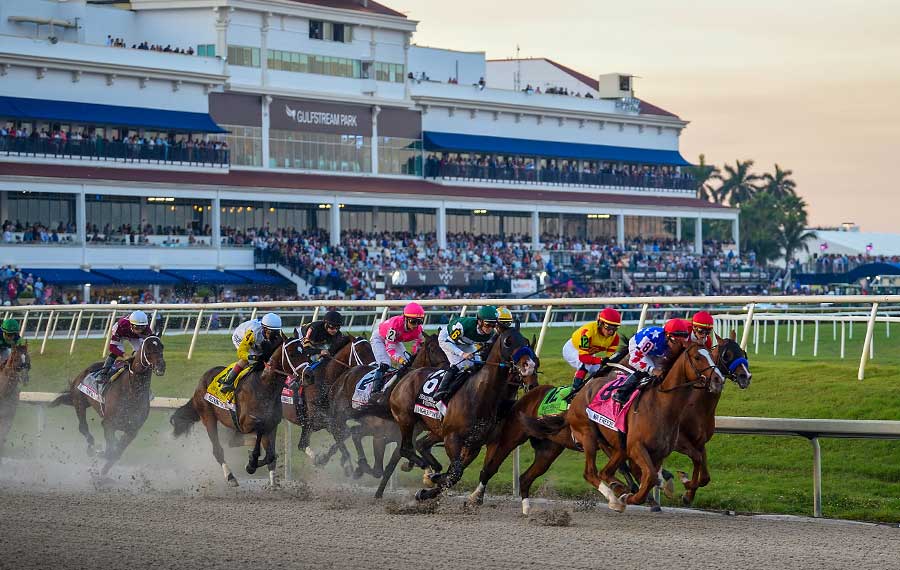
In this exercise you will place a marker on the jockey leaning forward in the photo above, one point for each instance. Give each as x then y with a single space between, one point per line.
592 346
702 325
322 339
255 341
10 338
461 340
134 328
389 338
650 350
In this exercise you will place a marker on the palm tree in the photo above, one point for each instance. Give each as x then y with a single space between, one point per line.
739 185
794 234
703 174
780 184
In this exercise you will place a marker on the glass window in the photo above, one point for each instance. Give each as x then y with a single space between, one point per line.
327 30
337 32
315 29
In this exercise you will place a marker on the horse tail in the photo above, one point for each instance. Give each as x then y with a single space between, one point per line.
64 399
542 428
183 418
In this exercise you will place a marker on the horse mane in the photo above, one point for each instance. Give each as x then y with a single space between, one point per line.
342 342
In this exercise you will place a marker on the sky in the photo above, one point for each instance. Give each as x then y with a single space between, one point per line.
813 86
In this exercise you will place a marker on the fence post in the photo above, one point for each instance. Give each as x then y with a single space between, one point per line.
87 330
462 312
71 326
24 323
867 344
196 332
816 340
794 340
543 333
765 331
850 327
643 318
817 477
253 313
153 318
802 328
843 338
47 329
37 329
748 323
775 339
165 324
109 324
834 329
887 328
756 340
315 314
75 336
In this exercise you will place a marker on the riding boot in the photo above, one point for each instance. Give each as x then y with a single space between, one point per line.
445 385
378 379
104 372
577 382
227 383
623 393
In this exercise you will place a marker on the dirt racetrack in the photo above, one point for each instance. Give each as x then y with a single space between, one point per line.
296 527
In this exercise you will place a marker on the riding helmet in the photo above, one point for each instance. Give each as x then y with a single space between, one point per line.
504 316
10 326
703 320
610 316
271 321
414 311
334 318
678 327
138 319
487 313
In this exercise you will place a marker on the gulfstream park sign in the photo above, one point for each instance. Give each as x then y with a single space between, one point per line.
321 118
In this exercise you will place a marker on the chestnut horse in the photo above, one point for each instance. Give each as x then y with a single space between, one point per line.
126 401
473 412
257 402
652 433
13 373
728 357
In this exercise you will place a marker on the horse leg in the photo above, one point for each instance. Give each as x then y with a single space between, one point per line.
497 452
545 453
362 466
434 472
700 477
407 449
379 443
253 463
453 445
271 458
81 412
388 471
649 473
605 480
113 456
212 430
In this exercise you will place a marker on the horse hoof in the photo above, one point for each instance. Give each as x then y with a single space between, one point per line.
251 469
526 507
378 474
427 494
407 467
357 473
655 509
476 499
427 478
686 500
232 481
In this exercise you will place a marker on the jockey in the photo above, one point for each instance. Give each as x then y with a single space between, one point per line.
321 338
592 346
255 342
701 329
10 338
461 340
134 328
389 338
504 319
649 351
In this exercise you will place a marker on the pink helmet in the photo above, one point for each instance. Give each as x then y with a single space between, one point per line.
414 311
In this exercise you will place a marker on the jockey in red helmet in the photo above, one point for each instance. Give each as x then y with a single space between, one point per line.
702 325
592 346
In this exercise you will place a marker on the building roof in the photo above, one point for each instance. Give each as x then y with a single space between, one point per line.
593 83
241 179
357 5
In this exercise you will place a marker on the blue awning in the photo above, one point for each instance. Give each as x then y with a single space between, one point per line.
91 113
452 142
138 277
260 277
68 276
206 277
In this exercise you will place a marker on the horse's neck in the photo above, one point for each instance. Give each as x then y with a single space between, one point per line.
489 383
674 399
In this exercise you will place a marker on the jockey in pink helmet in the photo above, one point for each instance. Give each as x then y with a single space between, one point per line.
389 338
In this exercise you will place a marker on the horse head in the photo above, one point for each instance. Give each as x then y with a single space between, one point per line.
151 355
732 360
515 351
700 369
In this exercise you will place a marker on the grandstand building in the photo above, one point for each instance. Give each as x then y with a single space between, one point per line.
142 134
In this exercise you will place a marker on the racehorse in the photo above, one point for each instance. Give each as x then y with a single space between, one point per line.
472 412
13 373
382 429
257 410
126 401
652 433
698 424
729 358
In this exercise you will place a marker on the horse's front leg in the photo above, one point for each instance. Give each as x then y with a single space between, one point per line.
271 458
453 445
112 456
253 463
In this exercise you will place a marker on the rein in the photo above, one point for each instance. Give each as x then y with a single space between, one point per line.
699 384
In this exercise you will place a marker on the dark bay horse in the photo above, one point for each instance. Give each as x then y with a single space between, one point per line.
257 410
472 412
652 433
126 401
13 373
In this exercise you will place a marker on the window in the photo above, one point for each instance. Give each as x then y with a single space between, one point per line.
330 31
243 56
320 151
206 50
337 33
316 29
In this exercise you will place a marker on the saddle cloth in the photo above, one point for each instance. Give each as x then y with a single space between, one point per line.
88 385
554 402
363 391
287 392
214 394
426 405
606 411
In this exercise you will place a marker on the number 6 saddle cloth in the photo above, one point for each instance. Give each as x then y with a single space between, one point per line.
426 405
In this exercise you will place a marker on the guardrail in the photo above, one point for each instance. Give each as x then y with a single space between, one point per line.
811 429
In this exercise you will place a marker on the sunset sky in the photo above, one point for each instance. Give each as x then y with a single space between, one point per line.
813 86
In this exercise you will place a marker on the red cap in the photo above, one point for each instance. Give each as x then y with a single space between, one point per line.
610 316
677 327
703 320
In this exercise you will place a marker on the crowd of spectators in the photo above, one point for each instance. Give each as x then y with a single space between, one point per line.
17 288
121 43
36 233
552 90
553 171
842 263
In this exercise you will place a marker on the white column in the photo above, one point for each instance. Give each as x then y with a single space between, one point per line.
620 230
441 225
335 222
535 230
81 223
222 21
375 111
216 223
264 48
266 102
736 235
678 228
698 235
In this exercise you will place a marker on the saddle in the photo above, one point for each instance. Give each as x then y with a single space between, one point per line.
216 396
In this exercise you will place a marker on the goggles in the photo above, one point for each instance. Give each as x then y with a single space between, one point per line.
699 331
609 327
414 321
332 327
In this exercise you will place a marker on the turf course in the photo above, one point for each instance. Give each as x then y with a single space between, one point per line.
861 479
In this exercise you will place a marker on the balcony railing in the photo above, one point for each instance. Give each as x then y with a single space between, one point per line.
558 177
114 151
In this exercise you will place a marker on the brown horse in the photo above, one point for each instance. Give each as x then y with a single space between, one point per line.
126 401
652 433
257 410
727 355
473 412
13 373
382 429
698 424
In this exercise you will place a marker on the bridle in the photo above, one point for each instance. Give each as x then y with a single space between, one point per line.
702 382
354 360
730 375
142 357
